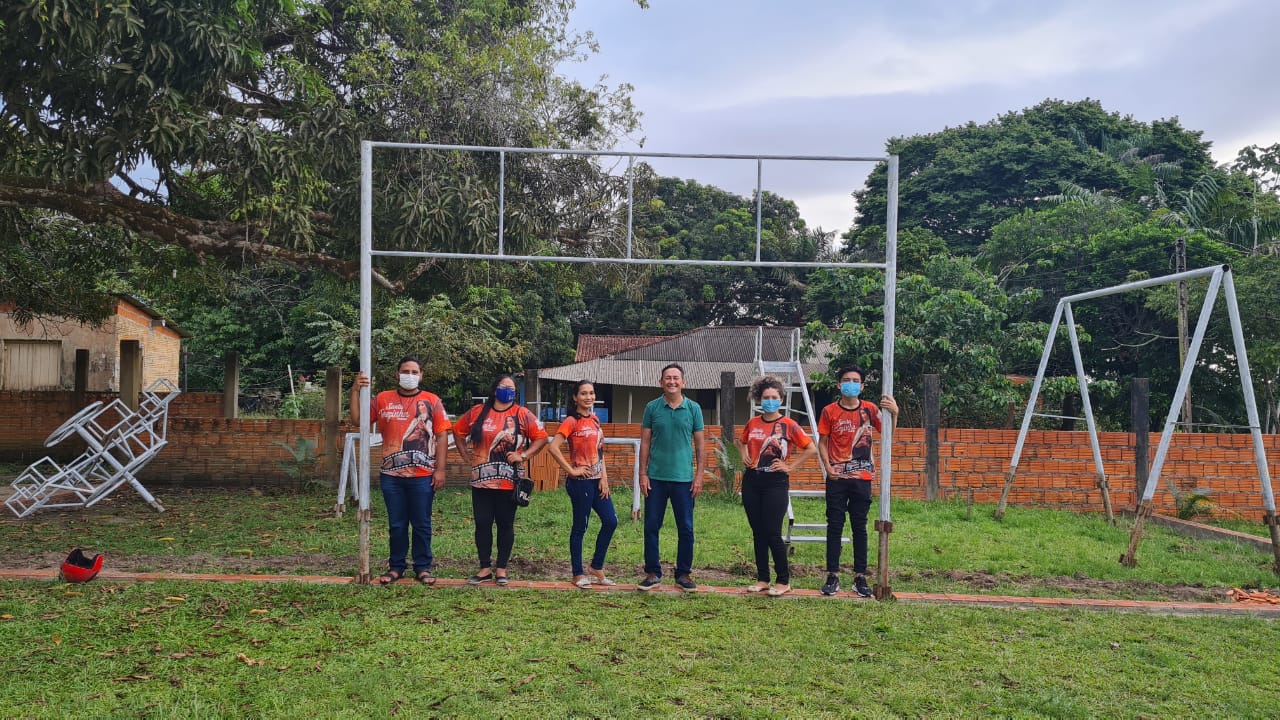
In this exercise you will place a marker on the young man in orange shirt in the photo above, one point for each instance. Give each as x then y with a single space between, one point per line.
844 444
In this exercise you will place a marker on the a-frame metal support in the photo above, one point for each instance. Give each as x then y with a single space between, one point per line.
1219 278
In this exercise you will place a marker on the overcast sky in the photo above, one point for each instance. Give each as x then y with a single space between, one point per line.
829 77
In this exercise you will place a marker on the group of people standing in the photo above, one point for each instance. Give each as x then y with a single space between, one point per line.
498 437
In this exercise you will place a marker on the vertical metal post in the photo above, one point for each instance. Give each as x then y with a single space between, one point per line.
759 202
1088 415
502 197
1140 413
1255 423
884 525
1129 558
1031 407
631 198
366 363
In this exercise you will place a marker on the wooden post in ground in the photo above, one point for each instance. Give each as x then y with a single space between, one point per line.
231 385
82 379
332 419
932 387
1140 418
130 373
1130 557
728 387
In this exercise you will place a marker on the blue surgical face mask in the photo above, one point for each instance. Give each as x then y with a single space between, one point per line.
770 405
851 389
505 395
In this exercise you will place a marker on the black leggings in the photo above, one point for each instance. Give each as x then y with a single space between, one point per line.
852 497
490 506
764 498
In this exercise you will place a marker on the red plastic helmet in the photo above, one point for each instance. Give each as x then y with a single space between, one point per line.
78 568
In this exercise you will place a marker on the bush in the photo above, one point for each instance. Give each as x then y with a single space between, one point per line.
305 405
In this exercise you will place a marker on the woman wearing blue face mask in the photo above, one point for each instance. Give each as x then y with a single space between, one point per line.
497 438
766 446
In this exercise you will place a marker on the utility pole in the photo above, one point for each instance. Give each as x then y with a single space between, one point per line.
1180 265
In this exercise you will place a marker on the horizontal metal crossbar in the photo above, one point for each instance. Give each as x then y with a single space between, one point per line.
622 153
1059 417
625 260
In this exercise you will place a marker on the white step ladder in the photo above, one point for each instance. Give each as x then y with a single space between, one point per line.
791 373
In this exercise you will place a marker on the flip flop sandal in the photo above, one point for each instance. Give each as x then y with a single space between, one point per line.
583 582
778 592
602 580
426 578
389 577
502 580
757 588
478 579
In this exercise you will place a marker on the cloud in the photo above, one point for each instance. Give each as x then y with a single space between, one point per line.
878 58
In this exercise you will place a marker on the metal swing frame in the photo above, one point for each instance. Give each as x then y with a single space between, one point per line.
1220 278
367 252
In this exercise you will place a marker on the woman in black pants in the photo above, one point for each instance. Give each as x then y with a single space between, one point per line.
497 438
771 446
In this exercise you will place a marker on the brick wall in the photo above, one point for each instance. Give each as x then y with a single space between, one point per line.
161 346
1056 468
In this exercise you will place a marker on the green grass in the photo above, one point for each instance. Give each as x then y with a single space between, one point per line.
215 650
934 547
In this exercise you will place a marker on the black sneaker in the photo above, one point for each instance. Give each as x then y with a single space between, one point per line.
860 586
648 583
832 585
686 583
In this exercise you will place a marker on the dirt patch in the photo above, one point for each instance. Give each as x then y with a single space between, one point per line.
1071 586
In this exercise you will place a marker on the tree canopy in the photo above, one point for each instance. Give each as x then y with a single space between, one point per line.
230 127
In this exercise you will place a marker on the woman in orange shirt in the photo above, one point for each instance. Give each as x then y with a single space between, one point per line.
586 481
497 438
766 445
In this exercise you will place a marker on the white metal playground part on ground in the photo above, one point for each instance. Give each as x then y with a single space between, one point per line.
367 252
118 443
1219 277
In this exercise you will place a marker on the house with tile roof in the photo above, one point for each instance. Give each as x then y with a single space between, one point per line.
625 368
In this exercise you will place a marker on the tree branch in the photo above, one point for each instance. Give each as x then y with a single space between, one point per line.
106 204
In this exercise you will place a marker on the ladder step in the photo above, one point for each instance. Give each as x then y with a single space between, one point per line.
813 538
1058 417
808 493
778 366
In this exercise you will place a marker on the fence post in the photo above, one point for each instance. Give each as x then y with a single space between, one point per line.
1140 414
231 385
728 388
932 387
332 419
82 378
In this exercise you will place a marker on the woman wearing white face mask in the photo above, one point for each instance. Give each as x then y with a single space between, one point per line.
497 438
415 443
766 446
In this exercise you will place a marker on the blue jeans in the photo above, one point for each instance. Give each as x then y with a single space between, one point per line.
408 504
655 508
585 496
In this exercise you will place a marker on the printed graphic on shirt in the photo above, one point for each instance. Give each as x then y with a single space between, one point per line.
849 434
504 432
585 439
768 442
409 426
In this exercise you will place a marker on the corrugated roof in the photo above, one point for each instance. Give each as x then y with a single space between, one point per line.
718 344
645 373
591 347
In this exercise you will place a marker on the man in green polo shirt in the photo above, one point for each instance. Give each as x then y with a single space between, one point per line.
669 433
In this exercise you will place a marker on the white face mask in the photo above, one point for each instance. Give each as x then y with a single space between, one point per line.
408 381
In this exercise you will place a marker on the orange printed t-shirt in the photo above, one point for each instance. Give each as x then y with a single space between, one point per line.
409 425
585 439
767 441
503 432
848 435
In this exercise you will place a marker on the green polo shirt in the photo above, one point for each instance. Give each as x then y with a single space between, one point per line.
671 443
